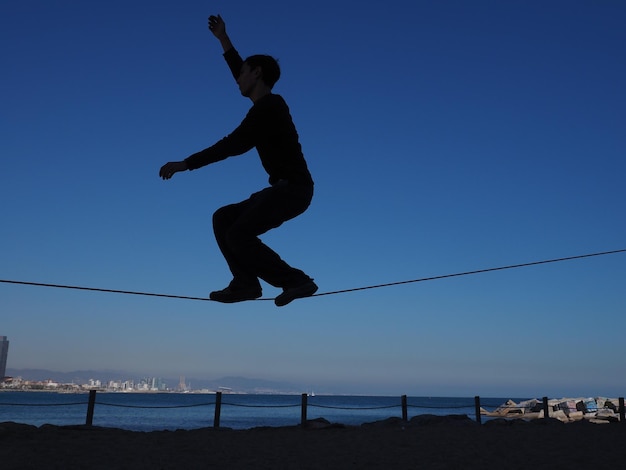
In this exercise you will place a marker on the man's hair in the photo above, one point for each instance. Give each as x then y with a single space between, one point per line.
269 68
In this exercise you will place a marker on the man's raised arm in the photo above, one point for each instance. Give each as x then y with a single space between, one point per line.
218 28
233 59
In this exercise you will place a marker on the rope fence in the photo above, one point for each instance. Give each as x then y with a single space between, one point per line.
541 408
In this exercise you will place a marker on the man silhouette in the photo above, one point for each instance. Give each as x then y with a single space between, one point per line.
269 128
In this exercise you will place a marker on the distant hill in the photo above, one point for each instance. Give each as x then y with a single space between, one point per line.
236 384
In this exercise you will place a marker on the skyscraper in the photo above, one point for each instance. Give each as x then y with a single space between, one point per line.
4 353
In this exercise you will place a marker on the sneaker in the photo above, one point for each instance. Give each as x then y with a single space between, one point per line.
292 293
230 296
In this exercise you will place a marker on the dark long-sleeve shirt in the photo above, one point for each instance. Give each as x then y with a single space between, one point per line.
268 126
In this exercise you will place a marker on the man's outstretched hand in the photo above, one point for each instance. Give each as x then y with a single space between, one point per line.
217 26
168 170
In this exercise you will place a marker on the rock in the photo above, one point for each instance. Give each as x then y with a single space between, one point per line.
560 415
321 423
10 428
389 422
547 422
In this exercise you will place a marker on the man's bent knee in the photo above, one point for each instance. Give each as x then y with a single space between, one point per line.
224 216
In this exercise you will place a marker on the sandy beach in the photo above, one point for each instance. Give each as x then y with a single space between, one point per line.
422 443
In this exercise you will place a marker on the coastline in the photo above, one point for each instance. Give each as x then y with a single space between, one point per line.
171 411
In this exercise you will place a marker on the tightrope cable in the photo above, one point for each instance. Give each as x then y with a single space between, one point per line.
343 291
97 289
468 273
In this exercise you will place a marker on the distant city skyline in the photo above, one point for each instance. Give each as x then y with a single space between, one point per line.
129 381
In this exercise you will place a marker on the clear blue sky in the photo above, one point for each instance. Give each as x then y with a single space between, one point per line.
443 136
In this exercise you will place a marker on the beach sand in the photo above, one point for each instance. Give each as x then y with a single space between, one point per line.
424 443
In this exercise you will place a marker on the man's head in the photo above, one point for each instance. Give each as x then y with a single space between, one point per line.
270 71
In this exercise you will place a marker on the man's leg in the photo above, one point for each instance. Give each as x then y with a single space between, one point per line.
245 285
264 211
223 220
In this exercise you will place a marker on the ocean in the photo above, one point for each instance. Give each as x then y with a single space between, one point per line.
172 411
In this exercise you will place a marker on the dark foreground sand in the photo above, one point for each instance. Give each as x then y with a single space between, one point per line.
424 443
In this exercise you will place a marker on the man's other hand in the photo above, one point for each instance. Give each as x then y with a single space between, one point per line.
168 170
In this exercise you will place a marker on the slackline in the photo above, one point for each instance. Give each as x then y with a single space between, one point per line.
343 291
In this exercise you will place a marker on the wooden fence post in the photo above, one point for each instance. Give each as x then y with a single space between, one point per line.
218 409
90 407
405 412
546 411
622 418
477 408
303 412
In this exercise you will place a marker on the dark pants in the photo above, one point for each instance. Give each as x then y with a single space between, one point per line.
237 228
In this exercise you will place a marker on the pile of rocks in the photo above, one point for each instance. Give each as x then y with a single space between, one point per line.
597 410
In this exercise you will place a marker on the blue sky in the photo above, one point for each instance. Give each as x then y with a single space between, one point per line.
443 137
